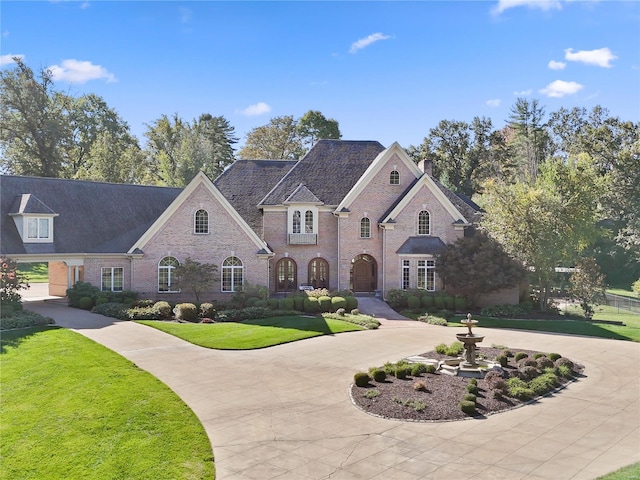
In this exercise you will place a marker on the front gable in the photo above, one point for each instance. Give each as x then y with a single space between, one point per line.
223 209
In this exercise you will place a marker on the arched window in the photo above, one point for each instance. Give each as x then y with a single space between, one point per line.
424 223
201 222
365 228
297 228
319 273
166 278
286 275
232 274
394 178
308 221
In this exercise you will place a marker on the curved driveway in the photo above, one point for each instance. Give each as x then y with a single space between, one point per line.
284 412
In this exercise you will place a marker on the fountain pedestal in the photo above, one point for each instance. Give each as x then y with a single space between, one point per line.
469 354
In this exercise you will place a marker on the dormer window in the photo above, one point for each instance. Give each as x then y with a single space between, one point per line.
38 228
303 225
33 219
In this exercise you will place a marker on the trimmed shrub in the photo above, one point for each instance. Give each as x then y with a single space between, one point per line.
471 388
163 308
527 362
438 302
413 302
473 381
508 353
352 303
378 375
441 348
402 372
85 303
528 373
6 311
460 303
24 319
503 360
325 303
397 299
455 349
564 371
519 356
338 303
470 397
433 320
449 302
504 311
361 379
112 309
468 407
554 356
564 361
538 355
543 383
273 303
298 303
517 388
101 300
311 305
141 313
430 368
251 301
427 301
80 290
544 362
418 369
420 386
262 303
186 311
287 304
207 310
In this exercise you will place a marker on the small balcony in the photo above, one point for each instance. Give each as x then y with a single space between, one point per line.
303 239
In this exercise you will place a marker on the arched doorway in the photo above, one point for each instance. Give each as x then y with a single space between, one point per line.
364 274
286 275
318 273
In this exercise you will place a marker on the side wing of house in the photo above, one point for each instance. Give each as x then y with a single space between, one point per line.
202 225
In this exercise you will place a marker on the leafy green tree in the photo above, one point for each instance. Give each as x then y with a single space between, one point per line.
196 277
314 126
32 124
587 285
164 139
280 139
478 265
11 282
529 138
635 287
548 222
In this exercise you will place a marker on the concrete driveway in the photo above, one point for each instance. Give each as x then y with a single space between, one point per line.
284 412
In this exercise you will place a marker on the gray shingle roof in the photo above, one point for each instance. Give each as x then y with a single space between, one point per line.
93 217
422 245
329 170
28 203
246 182
302 195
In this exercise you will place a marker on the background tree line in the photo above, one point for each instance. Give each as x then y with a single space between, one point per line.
555 187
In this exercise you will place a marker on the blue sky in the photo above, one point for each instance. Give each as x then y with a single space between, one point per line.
386 71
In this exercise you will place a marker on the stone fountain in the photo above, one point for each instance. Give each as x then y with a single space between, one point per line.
469 340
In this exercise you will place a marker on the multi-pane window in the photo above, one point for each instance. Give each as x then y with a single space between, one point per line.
112 279
166 275
319 273
297 222
201 222
406 274
38 228
427 275
286 275
308 221
365 228
394 178
424 223
232 274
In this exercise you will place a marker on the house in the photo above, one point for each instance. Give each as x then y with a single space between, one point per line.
348 215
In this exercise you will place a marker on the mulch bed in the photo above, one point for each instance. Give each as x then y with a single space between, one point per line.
442 397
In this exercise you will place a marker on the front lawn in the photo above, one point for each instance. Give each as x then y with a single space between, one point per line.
250 334
35 272
74 409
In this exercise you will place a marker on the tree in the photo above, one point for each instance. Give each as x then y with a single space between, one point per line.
635 287
11 282
32 125
587 285
546 223
478 265
195 276
280 139
529 140
314 126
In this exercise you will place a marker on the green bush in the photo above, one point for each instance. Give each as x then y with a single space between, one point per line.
164 309
338 303
80 290
543 383
418 369
427 301
311 305
554 356
471 388
101 300
112 309
402 372
361 379
449 302
430 369
207 310
519 356
298 303
413 302
378 375
85 303
6 311
564 361
186 311
439 303
24 319
441 348
352 303
251 301
505 311
433 320
508 353
141 313
460 304
473 381
262 303
365 321
503 360
468 407
517 388
544 362
528 372
325 303
397 299
564 371
454 349
273 303
537 355
248 313
287 304
470 397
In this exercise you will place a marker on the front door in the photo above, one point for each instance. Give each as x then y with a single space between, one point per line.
364 274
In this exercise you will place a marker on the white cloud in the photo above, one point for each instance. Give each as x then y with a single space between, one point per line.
560 88
365 42
8 59
539 4
553 65
494 102
77 71
256 109
523 93
600 57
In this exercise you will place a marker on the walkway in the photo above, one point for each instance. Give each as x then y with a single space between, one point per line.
284 412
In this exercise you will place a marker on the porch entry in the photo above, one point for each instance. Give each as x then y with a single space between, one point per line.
364 274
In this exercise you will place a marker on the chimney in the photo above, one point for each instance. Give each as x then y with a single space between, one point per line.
426 166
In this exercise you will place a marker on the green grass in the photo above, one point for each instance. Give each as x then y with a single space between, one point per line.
73 409
35 272
630 472
251 334
631 330
622 292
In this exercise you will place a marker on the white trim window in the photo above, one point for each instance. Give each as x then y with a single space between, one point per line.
112 279
406 274
201 222
365 228
166 275
38 229
427 275
394 178
232 274
424 223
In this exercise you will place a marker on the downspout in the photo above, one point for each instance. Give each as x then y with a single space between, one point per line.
384 260
338 218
